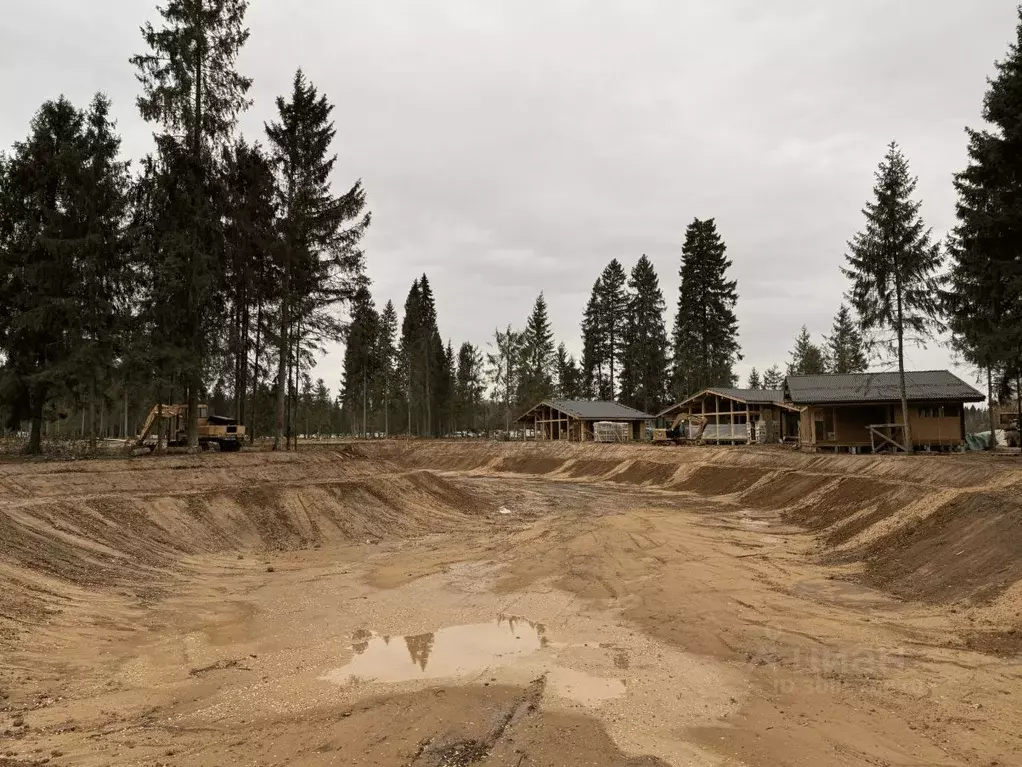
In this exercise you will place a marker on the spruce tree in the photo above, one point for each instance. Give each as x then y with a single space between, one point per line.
361 361
537 363
984 297
569 379
435 364
43 213
892 263
613 313
320 261
64 277
387 377
807 359
706 328
447 391
644 380
755 382
250 277
595 382
844 350
773 378
190 87
410 373
469 387
105 278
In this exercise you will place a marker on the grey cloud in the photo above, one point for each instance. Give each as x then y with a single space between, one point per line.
512 147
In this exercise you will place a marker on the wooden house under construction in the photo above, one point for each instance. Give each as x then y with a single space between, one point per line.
736 416
576 420
861 412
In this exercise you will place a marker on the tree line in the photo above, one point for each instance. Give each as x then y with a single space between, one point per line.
220 266
212 269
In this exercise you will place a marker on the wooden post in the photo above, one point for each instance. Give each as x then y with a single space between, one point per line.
748 424
716 415
731 405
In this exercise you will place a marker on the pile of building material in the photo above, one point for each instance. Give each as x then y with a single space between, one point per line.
611 431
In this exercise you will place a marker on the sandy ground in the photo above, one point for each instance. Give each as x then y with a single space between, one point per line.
428 605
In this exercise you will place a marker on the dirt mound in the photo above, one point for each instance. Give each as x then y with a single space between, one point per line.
784 489
647 472
970 547
721 480
590 468
845 498
134 543
530 465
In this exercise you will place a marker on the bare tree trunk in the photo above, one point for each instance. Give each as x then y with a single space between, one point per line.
292 415
92 413
194 381
990 408
193 413
35 439
285 348
255 373
907 430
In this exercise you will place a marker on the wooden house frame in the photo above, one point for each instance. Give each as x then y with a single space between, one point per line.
739 416
573 420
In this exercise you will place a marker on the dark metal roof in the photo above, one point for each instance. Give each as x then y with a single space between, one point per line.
751 396
922 385
593 410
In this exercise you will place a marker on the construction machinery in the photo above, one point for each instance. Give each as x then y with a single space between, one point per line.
680 431
171 421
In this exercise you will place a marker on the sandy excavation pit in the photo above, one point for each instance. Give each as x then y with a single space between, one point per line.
428 604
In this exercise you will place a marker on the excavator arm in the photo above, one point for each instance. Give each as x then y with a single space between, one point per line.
157 413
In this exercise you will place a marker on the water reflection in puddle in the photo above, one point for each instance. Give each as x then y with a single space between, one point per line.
452 651
458 651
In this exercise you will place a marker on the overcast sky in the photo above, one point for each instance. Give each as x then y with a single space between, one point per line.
512 147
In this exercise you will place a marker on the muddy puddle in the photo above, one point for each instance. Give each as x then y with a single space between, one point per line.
449 652
507 645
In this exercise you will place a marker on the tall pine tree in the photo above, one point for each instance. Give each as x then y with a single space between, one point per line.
595 381
63 261
807 359
773 378
361 361
190 87
644 358
613 312
469 387
755 382
892 263
984 296
387 375
250 277
705 328
320 259
844 348
536 383
569 378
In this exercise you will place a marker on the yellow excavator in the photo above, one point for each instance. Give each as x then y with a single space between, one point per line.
678 433
226 433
